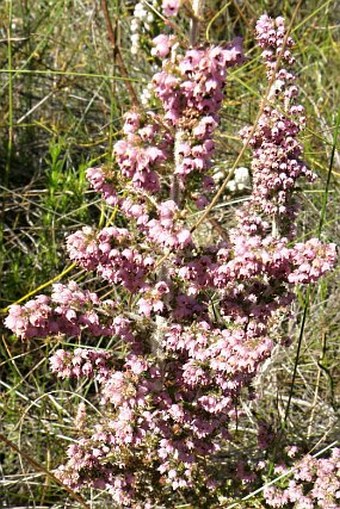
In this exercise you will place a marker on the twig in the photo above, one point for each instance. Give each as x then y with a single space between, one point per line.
118 56
317 388
40 468
41 287
297 357
197 7
216 225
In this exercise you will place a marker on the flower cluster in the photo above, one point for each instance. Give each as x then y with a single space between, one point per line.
277 163
141 23
82 363
100 181
165 231
240 181
69 311
192 86
139 154
108 253
312 260
162 45
191 91
195 320
315 483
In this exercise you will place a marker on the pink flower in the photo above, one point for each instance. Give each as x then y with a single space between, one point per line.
162 45
170 7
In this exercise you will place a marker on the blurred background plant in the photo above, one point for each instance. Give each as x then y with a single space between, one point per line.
63 95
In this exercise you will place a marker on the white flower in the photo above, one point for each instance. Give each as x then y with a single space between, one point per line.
146 94
242 177
135 24
140 11
135 38
240 181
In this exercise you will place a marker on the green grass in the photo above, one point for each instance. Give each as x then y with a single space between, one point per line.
62 98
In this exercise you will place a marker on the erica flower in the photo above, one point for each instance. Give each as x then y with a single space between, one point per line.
162 45
170 7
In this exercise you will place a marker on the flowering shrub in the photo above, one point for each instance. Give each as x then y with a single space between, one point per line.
196 320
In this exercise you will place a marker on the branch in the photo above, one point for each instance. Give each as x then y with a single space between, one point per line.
40 468
118 56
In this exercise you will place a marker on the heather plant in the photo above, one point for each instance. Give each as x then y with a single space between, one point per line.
195 319
314 482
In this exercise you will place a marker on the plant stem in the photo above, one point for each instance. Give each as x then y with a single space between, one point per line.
117 54
40 468
302 330
197 7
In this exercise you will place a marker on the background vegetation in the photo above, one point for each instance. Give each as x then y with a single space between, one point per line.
62 97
